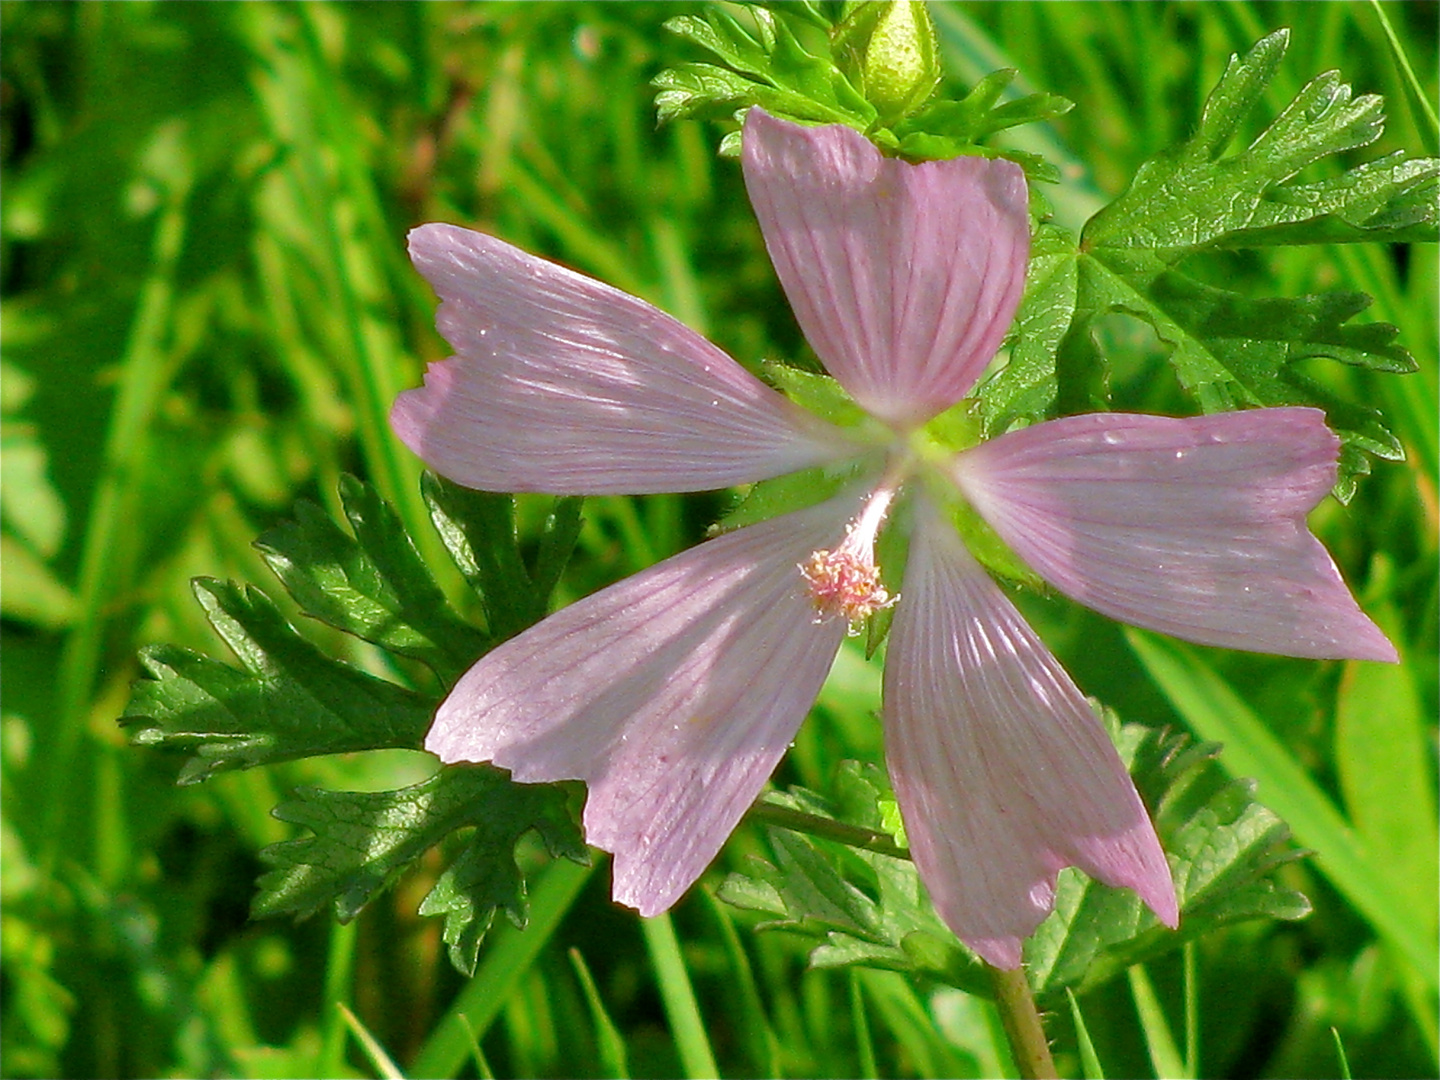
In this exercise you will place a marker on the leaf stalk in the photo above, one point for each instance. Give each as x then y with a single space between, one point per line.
827 828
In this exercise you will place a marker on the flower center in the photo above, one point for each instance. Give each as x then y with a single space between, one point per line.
844 585
844 582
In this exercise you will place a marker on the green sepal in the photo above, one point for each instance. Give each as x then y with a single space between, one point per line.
766 499
816 392
892 556
957 428
874 72
982 541
877 629
771 498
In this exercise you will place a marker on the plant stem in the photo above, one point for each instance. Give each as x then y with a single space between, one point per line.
853 835
1028 1044
1013 998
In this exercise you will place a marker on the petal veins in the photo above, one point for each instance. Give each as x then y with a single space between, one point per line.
562 384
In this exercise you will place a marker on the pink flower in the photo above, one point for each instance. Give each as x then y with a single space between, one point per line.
674 693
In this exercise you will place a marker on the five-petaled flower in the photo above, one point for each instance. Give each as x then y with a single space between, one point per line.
674 693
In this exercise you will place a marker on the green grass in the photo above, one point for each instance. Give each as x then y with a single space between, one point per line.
207 311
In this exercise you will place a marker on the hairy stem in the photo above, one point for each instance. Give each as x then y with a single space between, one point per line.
1028 1044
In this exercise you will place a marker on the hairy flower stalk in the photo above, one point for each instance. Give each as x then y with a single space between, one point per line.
674 693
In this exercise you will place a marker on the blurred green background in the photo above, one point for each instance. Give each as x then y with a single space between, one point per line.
207 312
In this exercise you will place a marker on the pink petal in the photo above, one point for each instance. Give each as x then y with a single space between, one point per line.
1194 527
903 277
565 385
1003 773
673 694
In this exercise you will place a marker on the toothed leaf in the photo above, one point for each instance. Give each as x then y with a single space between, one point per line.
287 700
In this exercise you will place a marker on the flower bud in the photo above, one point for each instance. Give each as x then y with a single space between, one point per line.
887 48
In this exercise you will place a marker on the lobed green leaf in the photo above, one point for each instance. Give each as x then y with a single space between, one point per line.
1232 352
288 700
1228 351
478 529
1223 849
868 908
1026 386
1193 197
865 907
484 878
362 841
373 585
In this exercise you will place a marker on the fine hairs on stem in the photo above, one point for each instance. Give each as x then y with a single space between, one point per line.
1022 1024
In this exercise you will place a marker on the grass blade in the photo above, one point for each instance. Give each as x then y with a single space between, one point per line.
1164 1054
1192 1011
1426 122
339 967
508 956
681 1008
382 1061
110 545
607 1035
1089 1062
864 1044
759 1032
1214 711
1344 1072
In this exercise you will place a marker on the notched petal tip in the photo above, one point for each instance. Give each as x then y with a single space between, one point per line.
672 694
903 277
1003 773
413 413
1194 526
562 384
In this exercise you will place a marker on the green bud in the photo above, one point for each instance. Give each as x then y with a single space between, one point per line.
887 49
